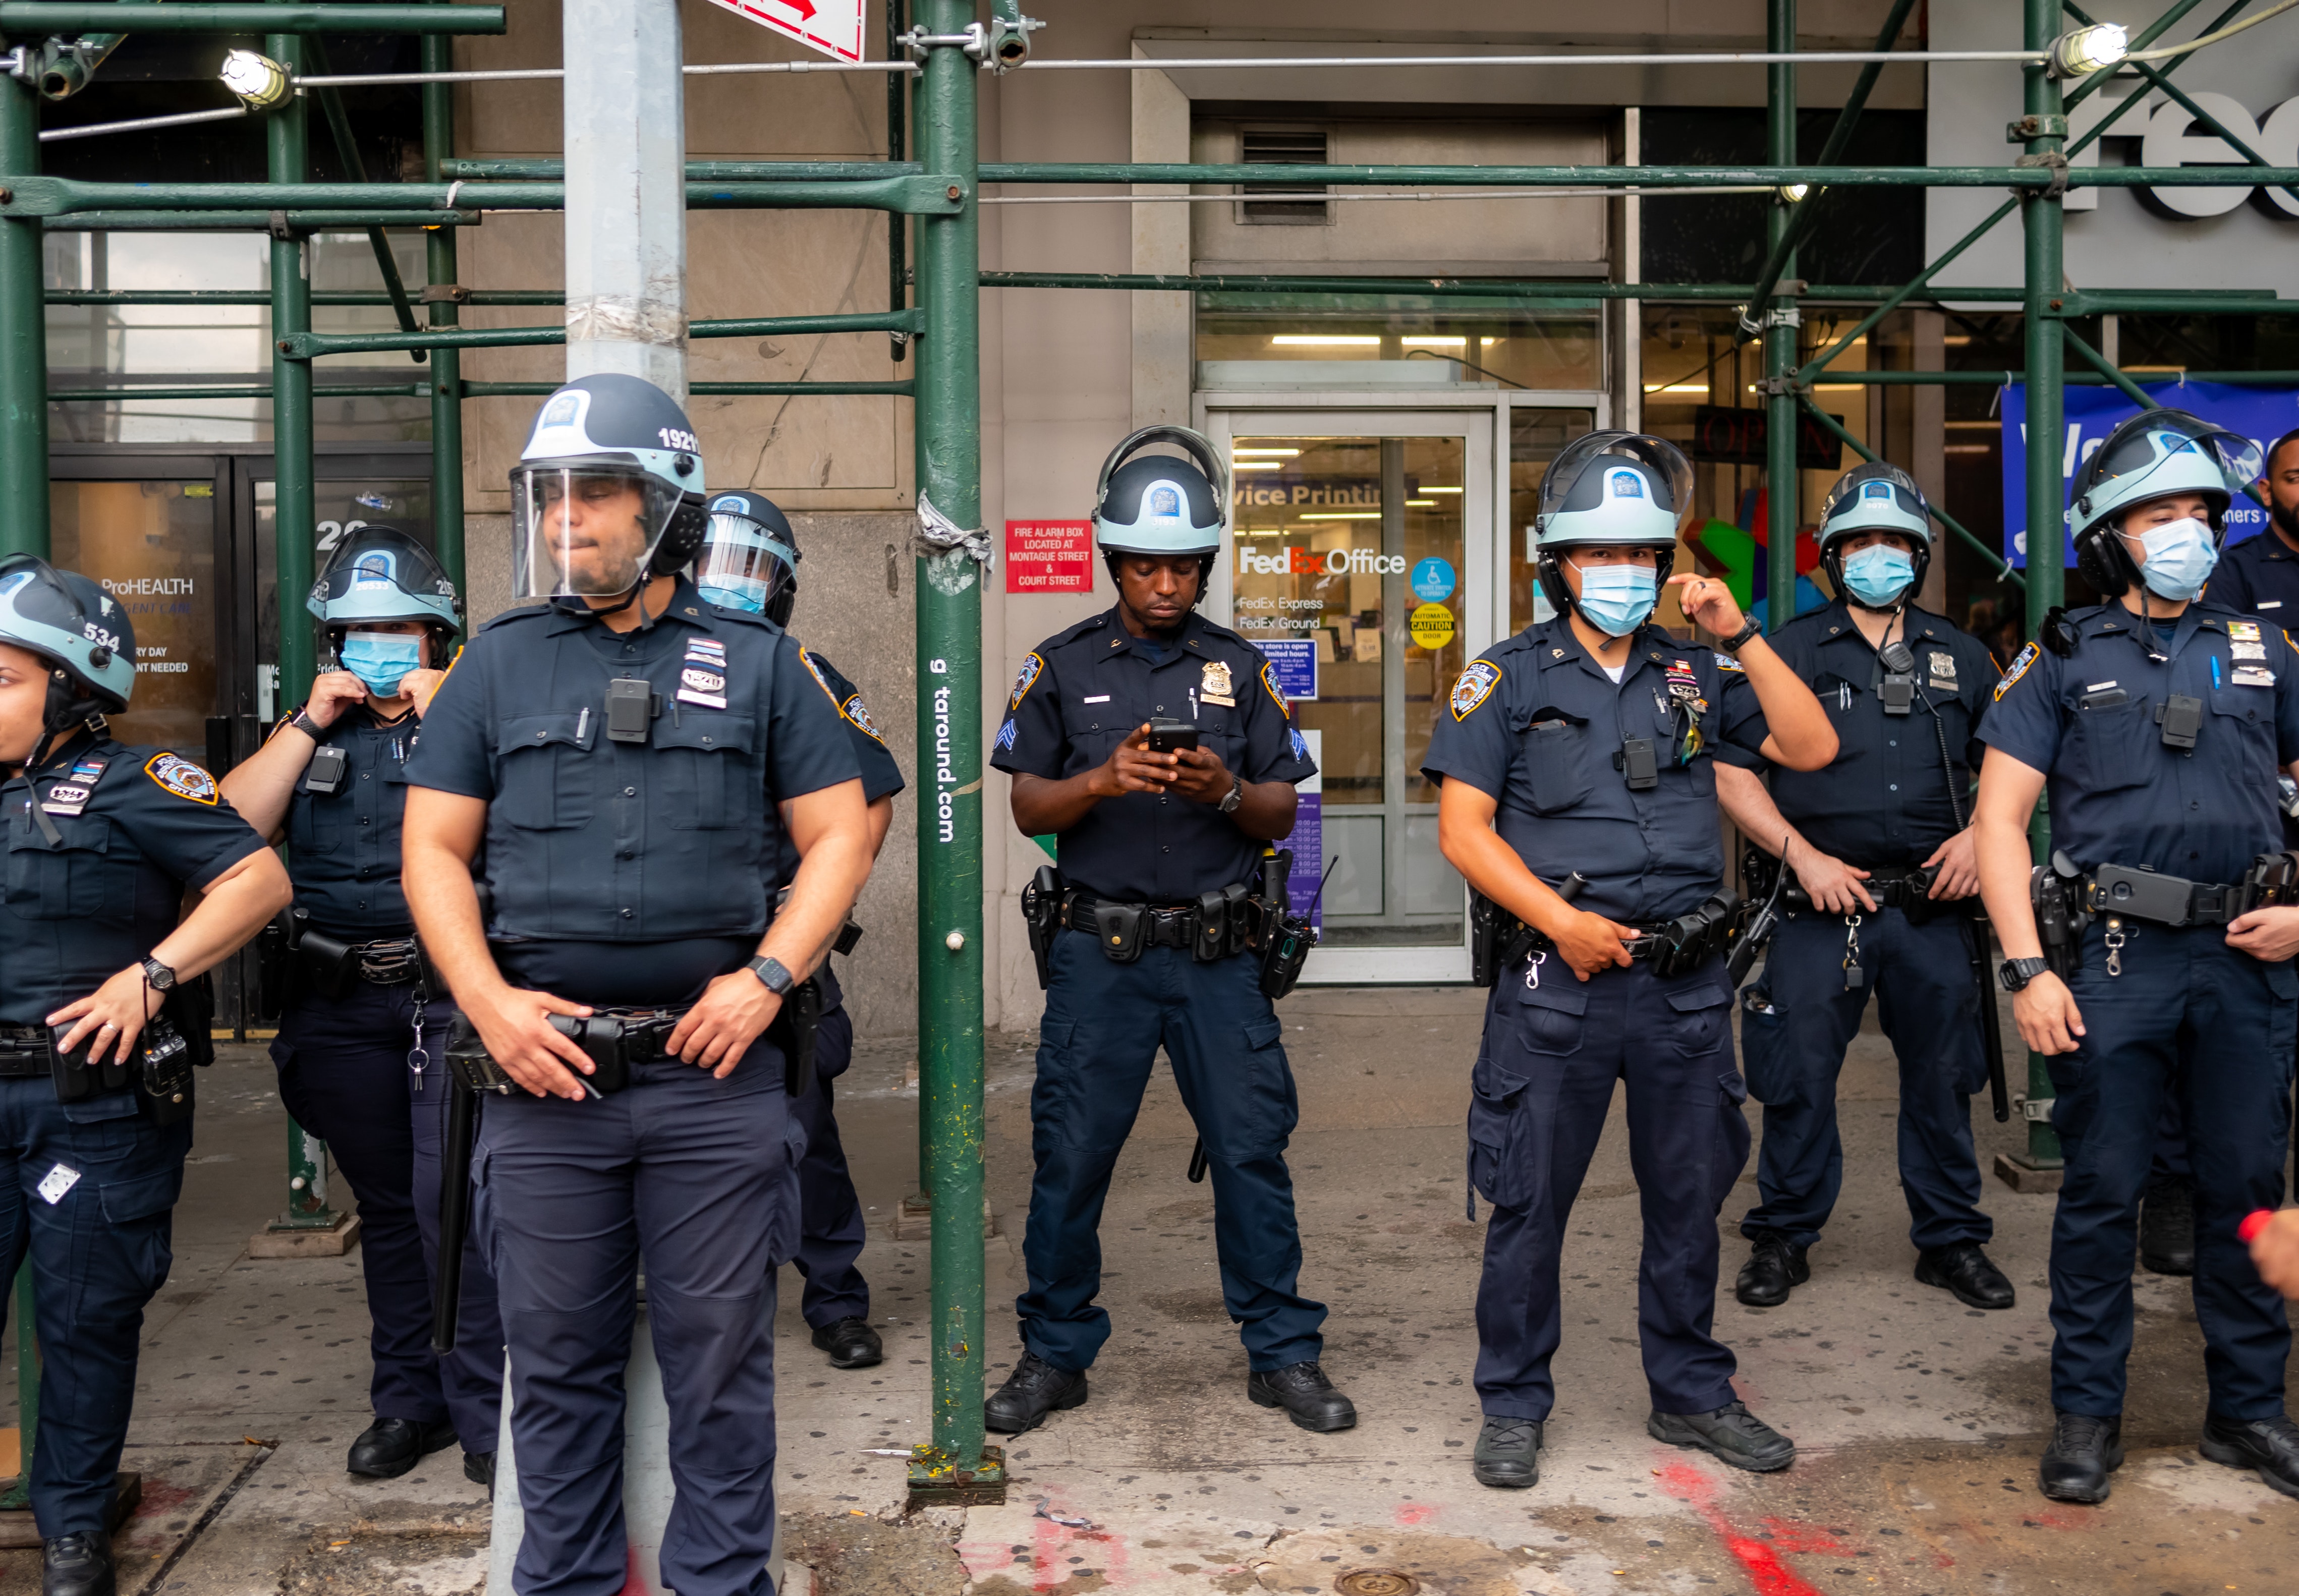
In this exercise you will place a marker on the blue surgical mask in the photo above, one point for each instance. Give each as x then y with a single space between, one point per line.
2180 556
746 592
381 658
1616 600
1877 575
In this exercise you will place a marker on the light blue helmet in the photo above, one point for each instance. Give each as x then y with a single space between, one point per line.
2154 454
1876 496
379 573
1616 488
1158 504
76 626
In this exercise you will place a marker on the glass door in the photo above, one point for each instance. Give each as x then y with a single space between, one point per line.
1360 560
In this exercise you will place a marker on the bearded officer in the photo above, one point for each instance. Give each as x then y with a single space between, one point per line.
1141 836
1583 745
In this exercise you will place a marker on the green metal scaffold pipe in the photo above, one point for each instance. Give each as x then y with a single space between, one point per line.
1778 319
21 19
447 385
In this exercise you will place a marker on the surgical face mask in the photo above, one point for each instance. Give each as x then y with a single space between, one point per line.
1877 575
381 658
2180 555
1616 600
737 592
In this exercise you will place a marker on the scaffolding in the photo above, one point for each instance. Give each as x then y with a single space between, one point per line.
931 72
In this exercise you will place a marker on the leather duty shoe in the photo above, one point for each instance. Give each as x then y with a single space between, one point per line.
390 1447
2269 1446
1731 1434
1775 1267
2084 1452
852 1344
479 1468
1508 1453
1035 1389
1307 1395
77 1565
1962 1267
2167 1228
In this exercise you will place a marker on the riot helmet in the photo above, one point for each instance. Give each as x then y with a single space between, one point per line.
80 630
1156 504
1876 496
749 556
2153 455
379 573
607 494
1617 489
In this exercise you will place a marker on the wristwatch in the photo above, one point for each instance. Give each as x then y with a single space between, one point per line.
2016 973
303 722
1748 629
771 975
161 978
1233 796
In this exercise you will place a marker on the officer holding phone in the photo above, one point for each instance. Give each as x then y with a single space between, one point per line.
102 1015
1158 749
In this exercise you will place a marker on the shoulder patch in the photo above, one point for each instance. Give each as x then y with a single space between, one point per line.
858 716
1725 662
814 669
1023 681
2020 667
1276 693
1474 686
181 777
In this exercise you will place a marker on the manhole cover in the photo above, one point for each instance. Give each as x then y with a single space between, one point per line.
1376 1582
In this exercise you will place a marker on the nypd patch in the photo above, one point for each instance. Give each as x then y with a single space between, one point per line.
1276 693
1474 686
1023 681
1725 662
857 715
2020 667
181 777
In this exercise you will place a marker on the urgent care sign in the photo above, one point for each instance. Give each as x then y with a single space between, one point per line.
1049 557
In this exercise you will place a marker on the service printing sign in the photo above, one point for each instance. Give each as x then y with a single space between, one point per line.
2263 415
834 27
1049 557
1295 661
1307 837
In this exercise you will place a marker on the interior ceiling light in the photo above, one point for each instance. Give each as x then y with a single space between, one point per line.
2084 51
1326 340
1257 465
261 82
1243 450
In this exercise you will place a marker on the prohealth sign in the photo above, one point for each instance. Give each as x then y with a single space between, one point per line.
2263 415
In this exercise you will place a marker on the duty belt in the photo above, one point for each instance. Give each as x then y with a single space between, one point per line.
1214 925
23 1052
390 963
1164 925
2137 893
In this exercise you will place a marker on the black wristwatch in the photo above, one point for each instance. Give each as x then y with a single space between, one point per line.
1234 796
303 722
771 975
2016 973
159 975
1749 628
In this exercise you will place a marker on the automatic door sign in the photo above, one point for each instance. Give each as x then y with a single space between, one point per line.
1431 626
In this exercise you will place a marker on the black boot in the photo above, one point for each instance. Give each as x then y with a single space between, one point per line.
479 1468
852 1344
390 1447
1508 1453
2084 1452
79 1564
1306 1394
1731 1434
1035 1389
2269 1446
1964 1268
2167 1228
1775 1267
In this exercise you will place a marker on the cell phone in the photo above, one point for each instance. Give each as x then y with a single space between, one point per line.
1170 737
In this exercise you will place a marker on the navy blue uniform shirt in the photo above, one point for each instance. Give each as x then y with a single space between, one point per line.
881 776
134 827
2258 576
2118 795
673 841
1534 723
342 846
1087 689
1885 798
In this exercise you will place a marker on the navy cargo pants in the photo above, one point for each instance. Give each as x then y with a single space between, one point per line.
1103 1025
89 1195
1928 1001
2192 1017
701 1177
1543 1083
831 1231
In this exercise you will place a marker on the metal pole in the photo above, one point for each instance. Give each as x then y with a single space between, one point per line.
957 1466
23 340
898 225
625 229
1778 317
446 364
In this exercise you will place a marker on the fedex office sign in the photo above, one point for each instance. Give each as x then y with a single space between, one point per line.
1292 561
2172 137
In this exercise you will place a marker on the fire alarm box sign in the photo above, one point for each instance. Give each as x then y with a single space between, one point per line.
834 27
1049 557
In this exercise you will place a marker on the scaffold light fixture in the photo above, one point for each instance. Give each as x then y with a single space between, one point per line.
2083 51
261 82
1792 194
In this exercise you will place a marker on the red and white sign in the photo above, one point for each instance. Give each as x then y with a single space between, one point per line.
1049 557
834 27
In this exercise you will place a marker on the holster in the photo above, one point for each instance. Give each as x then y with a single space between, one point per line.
1691 939
164 1081
1221 923
2056 892
318 964
603 1038
1041 913
794 1031
273 977
2271 881
1497 939
1286 949
1118 928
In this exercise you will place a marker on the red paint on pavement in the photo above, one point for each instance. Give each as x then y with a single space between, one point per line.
1760 1561
634 1582
1784 1536
1415 1512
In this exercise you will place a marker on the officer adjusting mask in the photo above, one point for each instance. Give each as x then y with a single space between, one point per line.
381 659
741 565
1616 599
1877 575
585 531
2180 558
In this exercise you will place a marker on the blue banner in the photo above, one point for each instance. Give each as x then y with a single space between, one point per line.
2263 415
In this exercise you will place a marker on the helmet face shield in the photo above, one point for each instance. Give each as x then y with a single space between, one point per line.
584 530
2158 453
743 565
382 573
1616 487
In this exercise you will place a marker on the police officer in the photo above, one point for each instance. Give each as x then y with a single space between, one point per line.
1882 848
2158 723
1141 835
628 756
750 562
103 841
360 1026
1583 745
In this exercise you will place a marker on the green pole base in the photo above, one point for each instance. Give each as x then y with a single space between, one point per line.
936 1481
2023 1172
317 1219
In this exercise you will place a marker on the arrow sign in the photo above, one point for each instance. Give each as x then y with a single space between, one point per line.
834 27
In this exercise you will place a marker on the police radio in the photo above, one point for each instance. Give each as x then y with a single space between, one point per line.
1286 938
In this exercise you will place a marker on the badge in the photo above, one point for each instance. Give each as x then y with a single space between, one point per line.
181 777
64 799
1943 669
859 716
702 681
1213 687
2248 650
2252 675
1725 662
1474 686
2020 667
2243 632
1027 678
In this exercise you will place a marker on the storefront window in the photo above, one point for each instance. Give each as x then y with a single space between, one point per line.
1503 343
151 545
